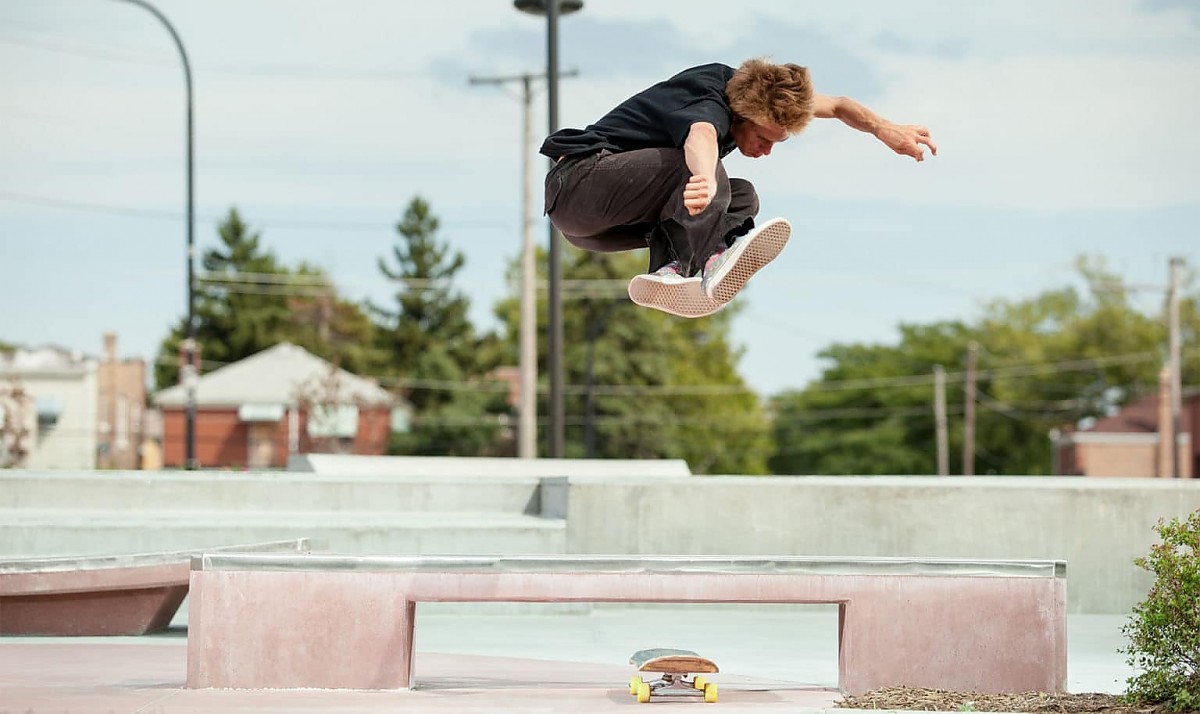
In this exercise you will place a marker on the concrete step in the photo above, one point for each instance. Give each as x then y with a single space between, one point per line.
47 532
266 491
443 466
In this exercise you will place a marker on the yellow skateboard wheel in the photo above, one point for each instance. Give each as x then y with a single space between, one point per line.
710 693
634 682
699 682
643 693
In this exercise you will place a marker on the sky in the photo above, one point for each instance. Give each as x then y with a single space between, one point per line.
1064 128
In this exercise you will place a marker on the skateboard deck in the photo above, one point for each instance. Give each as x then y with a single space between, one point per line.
677 668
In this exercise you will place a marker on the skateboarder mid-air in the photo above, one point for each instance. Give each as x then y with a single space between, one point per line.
649 174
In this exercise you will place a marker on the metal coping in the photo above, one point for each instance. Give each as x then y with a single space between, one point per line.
751 565
72 563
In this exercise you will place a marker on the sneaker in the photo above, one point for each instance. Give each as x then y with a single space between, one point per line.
668 290
726 273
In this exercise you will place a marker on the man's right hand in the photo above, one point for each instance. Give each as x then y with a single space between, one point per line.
700 155
699 193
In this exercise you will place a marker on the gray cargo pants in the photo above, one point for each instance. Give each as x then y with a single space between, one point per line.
608 202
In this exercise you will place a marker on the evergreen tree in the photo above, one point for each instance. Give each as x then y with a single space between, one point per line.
661 387
432 348
246 301
231 322
336 330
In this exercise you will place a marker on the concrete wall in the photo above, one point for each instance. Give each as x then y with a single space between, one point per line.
1098 526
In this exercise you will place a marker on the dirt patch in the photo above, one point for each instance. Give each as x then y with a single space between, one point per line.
1033 702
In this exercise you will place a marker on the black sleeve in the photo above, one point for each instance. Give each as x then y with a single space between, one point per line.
679 122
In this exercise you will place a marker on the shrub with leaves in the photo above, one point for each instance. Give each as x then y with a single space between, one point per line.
1164 630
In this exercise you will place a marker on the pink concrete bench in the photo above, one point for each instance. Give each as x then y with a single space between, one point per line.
346 622
103 595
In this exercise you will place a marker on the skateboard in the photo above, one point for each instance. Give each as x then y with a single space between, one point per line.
678 669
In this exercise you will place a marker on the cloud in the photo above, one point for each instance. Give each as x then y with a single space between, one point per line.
652 49
946 48
1188 7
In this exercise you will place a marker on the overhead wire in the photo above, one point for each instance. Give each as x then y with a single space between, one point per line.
91 50
215 218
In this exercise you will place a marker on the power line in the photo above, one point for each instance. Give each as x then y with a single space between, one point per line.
994 373
108 52
272 278
613 390
285 285
155 214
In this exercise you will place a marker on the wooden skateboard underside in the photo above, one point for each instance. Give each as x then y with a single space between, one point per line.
672 661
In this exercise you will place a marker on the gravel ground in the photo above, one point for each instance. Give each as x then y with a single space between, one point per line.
1033 702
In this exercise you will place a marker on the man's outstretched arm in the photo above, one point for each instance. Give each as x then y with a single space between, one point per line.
904 139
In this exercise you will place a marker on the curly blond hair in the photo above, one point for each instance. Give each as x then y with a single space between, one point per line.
764 92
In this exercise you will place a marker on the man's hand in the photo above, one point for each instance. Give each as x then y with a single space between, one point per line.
699 193
906 139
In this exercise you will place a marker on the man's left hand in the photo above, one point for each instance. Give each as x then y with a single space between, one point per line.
907 139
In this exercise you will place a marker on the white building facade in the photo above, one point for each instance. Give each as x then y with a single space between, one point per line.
60 389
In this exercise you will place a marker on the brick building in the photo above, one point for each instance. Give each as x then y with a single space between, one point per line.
1135 441
121 407
284 400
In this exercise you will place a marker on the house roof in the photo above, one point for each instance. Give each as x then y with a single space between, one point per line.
1141 416
278 375
45 360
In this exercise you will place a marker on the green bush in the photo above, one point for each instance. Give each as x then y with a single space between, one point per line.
1164 630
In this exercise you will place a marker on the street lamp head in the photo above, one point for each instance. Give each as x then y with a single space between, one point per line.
538 7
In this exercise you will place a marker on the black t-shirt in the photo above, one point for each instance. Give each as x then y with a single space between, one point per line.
659 117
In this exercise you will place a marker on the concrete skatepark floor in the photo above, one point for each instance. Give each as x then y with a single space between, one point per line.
772 658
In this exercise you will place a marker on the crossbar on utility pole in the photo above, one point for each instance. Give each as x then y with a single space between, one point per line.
527 389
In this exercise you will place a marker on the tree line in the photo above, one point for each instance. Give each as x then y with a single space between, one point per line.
642 384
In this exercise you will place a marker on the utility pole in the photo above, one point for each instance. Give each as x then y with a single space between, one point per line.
939 418
1176 276
969 411
527 390
1174 363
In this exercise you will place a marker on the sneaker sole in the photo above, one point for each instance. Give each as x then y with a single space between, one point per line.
763 247
682 299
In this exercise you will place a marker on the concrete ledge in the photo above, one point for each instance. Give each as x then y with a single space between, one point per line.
348 622
458 466
562 564
102 595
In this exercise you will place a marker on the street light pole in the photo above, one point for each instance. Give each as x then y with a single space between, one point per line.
189 375
554 341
